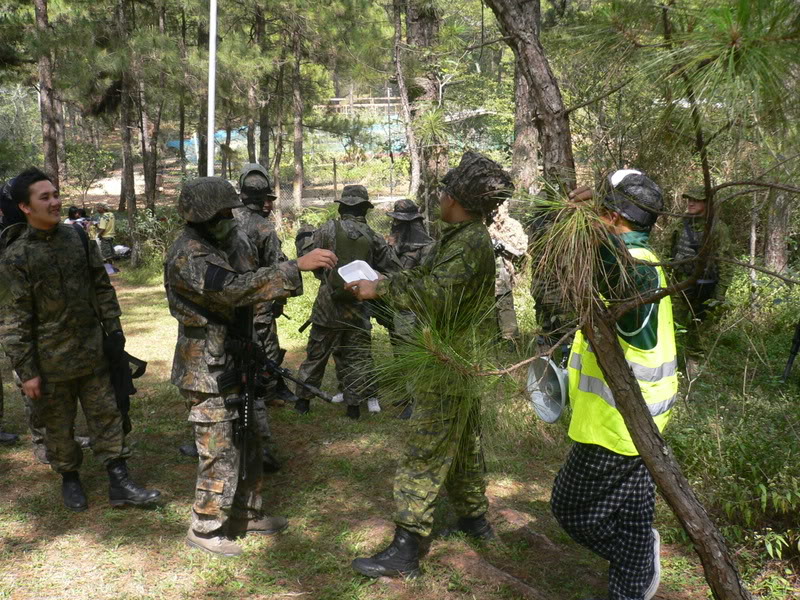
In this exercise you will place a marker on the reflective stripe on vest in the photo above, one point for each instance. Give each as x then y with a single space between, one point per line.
595 418
595 385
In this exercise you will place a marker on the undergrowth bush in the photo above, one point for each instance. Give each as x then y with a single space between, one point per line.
738 433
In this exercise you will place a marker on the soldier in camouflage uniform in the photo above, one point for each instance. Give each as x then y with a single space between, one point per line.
454 283
686 239
210 289
58 326
256 194
411 243
339 324
510 242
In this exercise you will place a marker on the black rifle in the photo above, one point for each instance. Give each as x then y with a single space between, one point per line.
792 353
253 354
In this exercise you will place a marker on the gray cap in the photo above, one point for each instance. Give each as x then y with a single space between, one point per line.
478 183
405 210
353 195
202 198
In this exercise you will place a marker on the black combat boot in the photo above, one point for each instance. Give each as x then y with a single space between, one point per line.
123 490
408 410
271 462
72 492
478 528
400 559
353 411
303 406
283 392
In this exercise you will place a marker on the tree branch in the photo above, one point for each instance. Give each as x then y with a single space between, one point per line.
613 90
505 38
788 280
766 184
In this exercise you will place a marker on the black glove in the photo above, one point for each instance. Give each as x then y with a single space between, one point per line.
114 346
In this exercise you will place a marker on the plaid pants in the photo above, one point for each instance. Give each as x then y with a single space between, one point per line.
606 501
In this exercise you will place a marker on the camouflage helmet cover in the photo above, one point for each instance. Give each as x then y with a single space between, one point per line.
696 193
353 195
478 184
254 182
635 196
204 197
405 210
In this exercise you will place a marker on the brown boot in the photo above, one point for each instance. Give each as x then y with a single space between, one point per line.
213 543
262 526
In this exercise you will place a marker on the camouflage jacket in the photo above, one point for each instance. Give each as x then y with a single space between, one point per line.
262 233
197 273
326 311
687 232
51 325
455 282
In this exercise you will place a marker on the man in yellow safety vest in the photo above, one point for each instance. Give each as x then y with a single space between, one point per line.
604 496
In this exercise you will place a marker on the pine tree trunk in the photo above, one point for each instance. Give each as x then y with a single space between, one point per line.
264 129
525 150
297 106
61 138
252 113
405 107
422 22
776 246
720 569
182 100
202 114
514 19
47 106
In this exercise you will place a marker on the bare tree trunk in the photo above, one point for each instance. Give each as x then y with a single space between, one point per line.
252 111
423 32
555 139
202 117
405 107
297 106
61 137
182 100
47 106
753 242
776 246
128 191
720 568
525 151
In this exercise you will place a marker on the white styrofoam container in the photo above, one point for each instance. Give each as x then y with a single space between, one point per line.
358 269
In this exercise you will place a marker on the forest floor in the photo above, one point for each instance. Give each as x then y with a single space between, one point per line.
335 488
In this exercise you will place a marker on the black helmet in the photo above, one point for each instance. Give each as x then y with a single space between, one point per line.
254 184
635 196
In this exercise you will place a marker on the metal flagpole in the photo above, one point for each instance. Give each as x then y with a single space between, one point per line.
212 83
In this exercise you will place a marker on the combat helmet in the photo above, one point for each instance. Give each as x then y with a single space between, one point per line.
254 184
204 197
635 196
353 195
405 210
478 184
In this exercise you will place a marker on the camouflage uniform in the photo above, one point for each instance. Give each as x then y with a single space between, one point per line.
342 328
50 329
686 235
460 265
510 243
198 273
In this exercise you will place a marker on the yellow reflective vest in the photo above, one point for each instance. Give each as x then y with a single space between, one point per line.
595 418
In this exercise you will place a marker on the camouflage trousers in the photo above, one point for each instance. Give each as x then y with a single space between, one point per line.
352 357
222 489
550 313
107 248
57 408
442 452
267 334
507 316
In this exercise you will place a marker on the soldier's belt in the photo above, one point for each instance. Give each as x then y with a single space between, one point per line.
194 333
